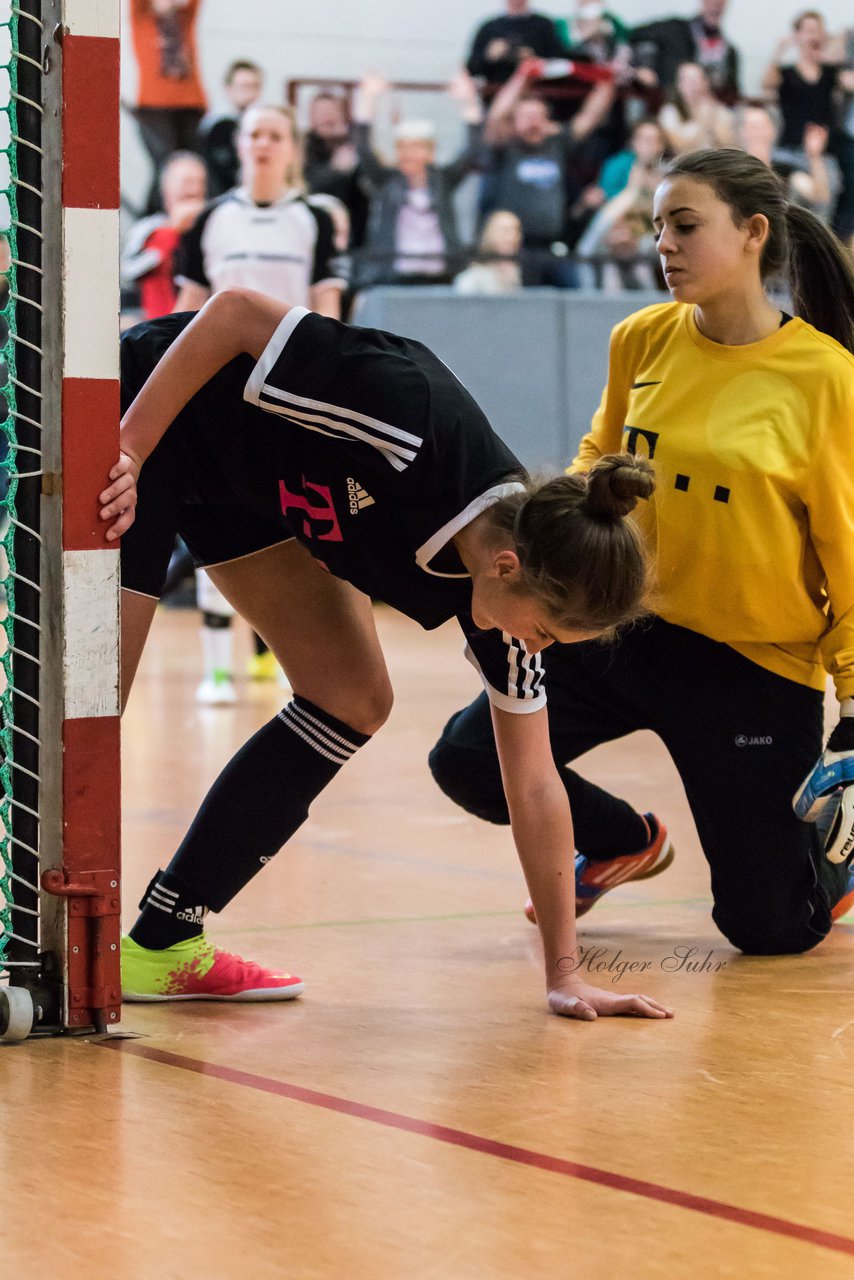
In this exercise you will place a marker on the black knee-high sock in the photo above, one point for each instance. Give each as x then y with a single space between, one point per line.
256 804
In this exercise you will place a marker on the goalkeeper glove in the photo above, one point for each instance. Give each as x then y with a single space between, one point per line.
826 796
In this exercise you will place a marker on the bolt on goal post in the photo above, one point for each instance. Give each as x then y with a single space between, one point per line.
59 414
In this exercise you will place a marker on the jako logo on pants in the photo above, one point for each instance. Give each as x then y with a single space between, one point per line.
746 740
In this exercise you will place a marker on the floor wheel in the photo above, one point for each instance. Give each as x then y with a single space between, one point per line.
16 1013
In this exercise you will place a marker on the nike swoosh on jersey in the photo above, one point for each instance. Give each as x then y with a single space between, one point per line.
635 385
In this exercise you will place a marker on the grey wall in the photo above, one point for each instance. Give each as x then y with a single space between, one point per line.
535 361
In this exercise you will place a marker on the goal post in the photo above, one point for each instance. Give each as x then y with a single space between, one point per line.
60 805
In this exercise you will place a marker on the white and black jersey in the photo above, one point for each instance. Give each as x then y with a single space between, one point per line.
280 249
361 444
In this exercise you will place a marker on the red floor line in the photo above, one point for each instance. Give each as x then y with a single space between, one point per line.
488 1146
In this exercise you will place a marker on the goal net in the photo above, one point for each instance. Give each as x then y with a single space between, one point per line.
59 772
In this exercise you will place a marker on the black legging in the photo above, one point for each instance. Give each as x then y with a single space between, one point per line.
164 130
742 739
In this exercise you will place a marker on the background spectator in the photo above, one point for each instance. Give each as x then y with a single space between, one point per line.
503 42
554 179
695 118
808 92
592 32
619 241
148 260
842 50
600 40
263 235
243 85
811 176
497 269
538 169
664 45
331 160
170 97
647 145
412 234
804 89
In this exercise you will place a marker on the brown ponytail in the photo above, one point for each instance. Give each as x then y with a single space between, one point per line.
579 553
821 276
799 247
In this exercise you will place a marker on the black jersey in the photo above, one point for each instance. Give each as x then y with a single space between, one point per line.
366 448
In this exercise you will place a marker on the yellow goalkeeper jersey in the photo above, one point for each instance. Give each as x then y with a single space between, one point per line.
752 520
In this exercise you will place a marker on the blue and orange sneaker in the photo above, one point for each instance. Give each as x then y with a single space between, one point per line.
593 878
197 970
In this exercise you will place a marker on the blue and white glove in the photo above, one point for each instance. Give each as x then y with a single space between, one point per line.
826 796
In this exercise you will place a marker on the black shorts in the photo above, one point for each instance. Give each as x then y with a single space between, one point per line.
203 482
215 532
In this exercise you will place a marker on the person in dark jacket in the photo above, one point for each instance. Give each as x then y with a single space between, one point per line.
664 45
243 85
331 162
502 43
412 234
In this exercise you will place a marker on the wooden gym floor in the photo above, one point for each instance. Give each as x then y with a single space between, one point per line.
418 1114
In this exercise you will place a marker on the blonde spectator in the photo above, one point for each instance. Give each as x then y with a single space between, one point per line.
695 118
262 235
497 269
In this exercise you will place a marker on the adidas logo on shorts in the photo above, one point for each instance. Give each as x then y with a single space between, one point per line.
359 498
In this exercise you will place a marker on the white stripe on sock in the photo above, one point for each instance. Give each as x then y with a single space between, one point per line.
167 893
167 903
319 724
295 728
315 735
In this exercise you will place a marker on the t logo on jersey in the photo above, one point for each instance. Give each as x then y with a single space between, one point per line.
320 522
634 434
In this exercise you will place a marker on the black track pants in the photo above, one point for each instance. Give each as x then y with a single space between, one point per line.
742 739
